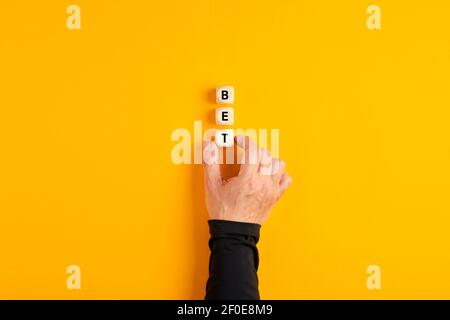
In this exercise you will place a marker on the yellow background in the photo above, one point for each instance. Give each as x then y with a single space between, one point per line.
86 116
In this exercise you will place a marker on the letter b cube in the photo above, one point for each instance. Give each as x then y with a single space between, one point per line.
225 95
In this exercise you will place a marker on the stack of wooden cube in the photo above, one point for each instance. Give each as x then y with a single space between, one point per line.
225 116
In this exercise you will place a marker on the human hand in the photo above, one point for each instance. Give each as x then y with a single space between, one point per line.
250 196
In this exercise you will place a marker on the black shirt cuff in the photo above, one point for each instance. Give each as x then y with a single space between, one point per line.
219 228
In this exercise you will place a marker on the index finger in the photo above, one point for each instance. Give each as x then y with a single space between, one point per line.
249 161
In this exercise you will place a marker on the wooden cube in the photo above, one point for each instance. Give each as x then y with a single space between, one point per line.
225 116
225 138
225 95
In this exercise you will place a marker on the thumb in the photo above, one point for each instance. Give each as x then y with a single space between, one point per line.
211 162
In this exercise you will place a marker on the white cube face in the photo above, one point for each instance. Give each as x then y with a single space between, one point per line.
225 116
225 95
225 138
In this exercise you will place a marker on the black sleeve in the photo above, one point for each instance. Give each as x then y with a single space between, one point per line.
233 262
